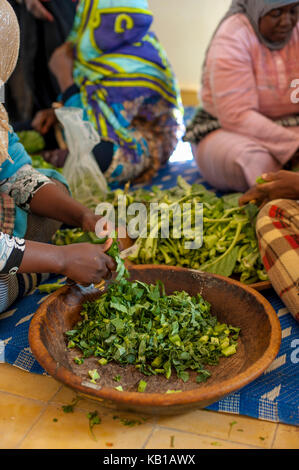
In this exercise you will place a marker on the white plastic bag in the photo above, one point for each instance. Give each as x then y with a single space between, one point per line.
87 183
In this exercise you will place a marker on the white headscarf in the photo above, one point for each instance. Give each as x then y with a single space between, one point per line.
9 51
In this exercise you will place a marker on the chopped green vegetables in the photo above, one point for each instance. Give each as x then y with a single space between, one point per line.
49 288
76 235
78 360
94 375
130 422
71 236
34 143
39 162
94 419
138 324
113 251
230 246
260 180
70 408
142 386
102 361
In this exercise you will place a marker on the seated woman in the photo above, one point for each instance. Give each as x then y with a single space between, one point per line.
26 194
249 123
117 71
278 232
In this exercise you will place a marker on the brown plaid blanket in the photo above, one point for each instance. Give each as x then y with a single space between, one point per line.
7 214
278 235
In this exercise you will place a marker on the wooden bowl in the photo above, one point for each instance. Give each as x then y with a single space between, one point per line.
231 302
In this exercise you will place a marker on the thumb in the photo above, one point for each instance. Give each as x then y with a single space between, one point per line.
105 247
269 176
47 124
44 13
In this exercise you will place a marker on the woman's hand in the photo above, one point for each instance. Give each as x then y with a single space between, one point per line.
86 263
104 229
61 65
44 120
83 263
38 10
53 201
280 185
89 220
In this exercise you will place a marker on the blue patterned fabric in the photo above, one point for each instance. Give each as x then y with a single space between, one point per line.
119 60
20 158
272 397
18 155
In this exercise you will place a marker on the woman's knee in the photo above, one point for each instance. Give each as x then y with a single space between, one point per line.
217 162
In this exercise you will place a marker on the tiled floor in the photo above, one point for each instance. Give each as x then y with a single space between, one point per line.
31 417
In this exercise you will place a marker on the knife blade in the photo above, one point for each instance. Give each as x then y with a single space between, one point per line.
128 251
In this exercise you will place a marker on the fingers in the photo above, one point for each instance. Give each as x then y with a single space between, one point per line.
43 121
39 11
105 247
103 227
46 126
37 122
98 270
69 49
254 194
268 177
109 262
42 125
111 265
244 199
105 267
264 203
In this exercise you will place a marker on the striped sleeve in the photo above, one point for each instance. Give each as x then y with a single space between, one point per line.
11 253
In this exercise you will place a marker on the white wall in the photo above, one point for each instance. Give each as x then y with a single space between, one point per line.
184 27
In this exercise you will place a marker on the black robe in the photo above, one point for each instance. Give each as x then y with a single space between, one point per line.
32 87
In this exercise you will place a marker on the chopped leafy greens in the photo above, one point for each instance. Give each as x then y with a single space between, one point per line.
94 419
113 251
70 408
136 323
52 287
72 236
142 386
94 375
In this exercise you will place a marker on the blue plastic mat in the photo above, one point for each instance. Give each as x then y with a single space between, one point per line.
273 396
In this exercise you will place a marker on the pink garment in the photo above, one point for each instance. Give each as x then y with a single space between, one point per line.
246 86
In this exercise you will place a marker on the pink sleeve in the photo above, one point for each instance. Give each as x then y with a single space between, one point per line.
235 97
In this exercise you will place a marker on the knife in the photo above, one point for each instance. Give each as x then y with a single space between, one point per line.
128 251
